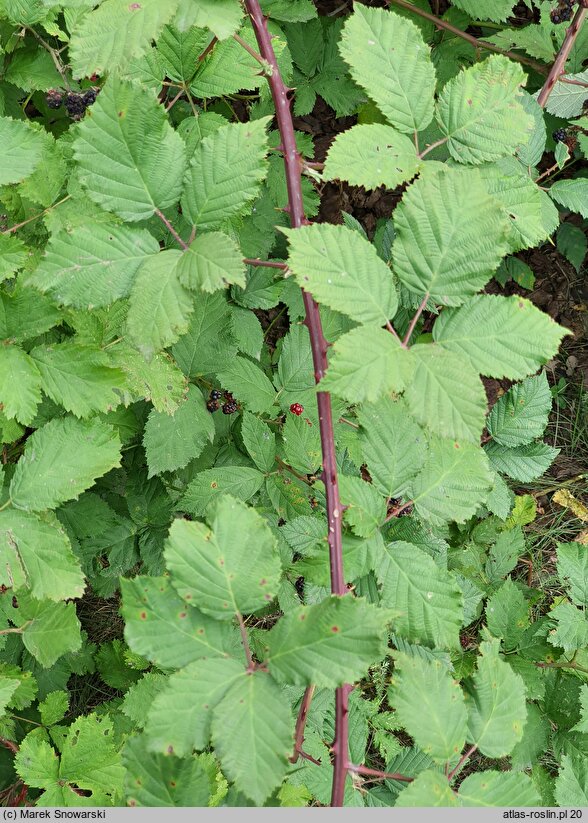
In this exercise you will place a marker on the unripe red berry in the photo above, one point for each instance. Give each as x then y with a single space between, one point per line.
297 409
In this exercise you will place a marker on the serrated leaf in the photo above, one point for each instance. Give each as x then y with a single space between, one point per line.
342 270
208 344
252 732
130 160
393 445
428 789
572 567
365 506
212 262
13 254
450 236
582 725
155 780
496 704
572 194
572 243
428 597
93 265
567 98
159 306
521 414
453 482
225 173
372 155
249 384
171 441
367 363
571 785
430 706
444 395
233 568
22 150
222 17
20 384
159 381
496 10
48 629
107 37
493 788
37 555
523 463
54 707
259 440
571 627
24 313
328 644
302 444
164 628
240 481
507 614
401 80
504 554
180 716
502 336
480 112
8 686
80 378
61 460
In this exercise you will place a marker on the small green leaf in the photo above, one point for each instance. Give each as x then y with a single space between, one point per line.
248 384
212 262
365 507
521 414
507 614
523 463
572 567
54 708
572 194
491 788
20 384
259 440
240 481
22 149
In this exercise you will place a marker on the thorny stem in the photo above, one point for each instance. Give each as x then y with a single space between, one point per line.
478 44
301 723
380 775
249 261
461 761
415 319
171 229
245 641
563 54
319 355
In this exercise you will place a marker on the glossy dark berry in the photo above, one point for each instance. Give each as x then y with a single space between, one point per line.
230 407
215 394
555 18
212 405
75 106
566 14
560 135
297 409
228 396
90 96
54 99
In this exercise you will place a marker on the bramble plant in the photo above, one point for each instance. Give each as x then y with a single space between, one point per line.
319 588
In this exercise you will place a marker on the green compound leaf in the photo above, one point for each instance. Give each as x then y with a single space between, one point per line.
301 444
249 384
212 262
430 705
155 780
393 445
428 597
502 336
37 555
572 195
453 482
159 380
22 150
400 79
160 307
61 460
490 788
171 441
481 113
496 704
180 716
571 628
372 155
572 567
521 414
571 785
233 568
252 732
428 789
130 160
450 235
225 173
108 37
162 627
48 630
54 708
89 761
240 481
365 507
507 614
496 10
367 363
328 644
259 440
342 270
79 378
20 384
24 313
222 17
13 254
93 265
524 463
445 395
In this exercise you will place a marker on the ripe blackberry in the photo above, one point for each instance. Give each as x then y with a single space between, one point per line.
297 409
215 394
560 135
566 14
555 17
212 405
75 106
90 96
54 99
230 407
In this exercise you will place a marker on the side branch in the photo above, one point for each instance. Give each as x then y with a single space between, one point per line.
319 346
563 54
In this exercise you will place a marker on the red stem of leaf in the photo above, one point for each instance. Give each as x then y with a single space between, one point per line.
301 723
171 229
319 355
250 261
415 319
8 744
380 775
461 761
563 54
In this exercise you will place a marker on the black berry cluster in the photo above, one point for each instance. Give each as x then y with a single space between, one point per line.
560 136
75 102
230 405
563 12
